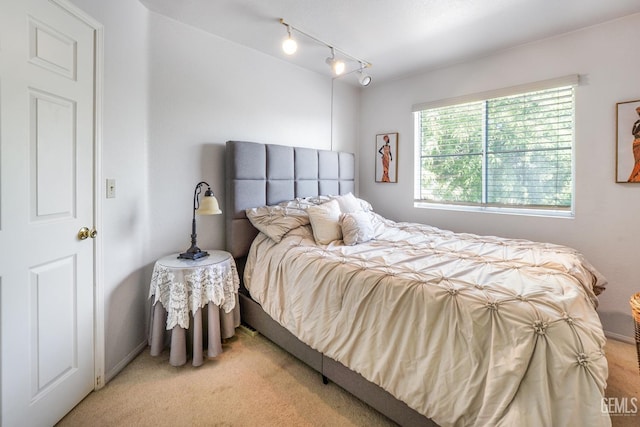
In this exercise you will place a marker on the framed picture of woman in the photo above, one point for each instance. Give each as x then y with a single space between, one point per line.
628 141
387 157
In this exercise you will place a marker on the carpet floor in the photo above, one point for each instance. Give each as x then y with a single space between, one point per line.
254 383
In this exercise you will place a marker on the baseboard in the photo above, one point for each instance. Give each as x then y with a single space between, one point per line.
125 361
618 337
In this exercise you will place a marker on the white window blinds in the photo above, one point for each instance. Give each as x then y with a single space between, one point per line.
512 151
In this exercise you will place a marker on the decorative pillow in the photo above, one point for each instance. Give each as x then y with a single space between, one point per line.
362 205
356 227
348 203
276 221
324 220
366 206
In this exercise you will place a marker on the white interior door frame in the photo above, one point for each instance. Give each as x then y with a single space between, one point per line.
99 319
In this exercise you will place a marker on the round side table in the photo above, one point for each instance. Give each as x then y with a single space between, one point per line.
183 288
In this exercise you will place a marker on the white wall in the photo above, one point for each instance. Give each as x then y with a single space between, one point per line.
604 227
205 90
346 113
173 95
124 158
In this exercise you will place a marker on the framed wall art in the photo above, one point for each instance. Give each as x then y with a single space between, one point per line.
628 141
387 157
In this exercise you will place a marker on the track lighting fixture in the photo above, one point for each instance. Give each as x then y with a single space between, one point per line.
338 66
289 45
363 79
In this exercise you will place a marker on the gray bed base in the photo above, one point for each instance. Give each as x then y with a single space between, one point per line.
261 174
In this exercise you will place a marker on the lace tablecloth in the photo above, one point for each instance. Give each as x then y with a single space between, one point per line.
183 286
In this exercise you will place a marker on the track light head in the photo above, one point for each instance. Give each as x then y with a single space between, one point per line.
336 65
289 45
364 79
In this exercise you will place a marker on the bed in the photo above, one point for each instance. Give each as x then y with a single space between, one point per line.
425 325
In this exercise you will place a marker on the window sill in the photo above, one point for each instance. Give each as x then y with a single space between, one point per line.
546 213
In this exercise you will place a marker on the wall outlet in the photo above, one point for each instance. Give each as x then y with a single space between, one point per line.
111 188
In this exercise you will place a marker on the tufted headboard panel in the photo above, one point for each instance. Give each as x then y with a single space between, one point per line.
267 174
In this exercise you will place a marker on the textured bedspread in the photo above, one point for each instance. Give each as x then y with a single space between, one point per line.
468 330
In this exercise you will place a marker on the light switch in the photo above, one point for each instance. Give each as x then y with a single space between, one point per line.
111 188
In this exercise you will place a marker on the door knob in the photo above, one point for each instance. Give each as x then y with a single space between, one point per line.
84 232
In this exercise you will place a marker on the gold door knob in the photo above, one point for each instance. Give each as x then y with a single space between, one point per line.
83 233
93 233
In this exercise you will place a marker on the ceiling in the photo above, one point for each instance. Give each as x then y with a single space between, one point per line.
399 37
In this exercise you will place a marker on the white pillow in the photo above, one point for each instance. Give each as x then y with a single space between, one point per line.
356 227
348 203
366 206
276 221
325 222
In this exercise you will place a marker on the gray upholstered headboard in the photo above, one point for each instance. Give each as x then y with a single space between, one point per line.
267 174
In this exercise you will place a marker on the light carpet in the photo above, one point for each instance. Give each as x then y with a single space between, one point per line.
254 382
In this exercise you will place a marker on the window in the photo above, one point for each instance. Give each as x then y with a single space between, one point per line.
505 151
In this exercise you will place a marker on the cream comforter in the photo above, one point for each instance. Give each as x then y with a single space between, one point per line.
467 330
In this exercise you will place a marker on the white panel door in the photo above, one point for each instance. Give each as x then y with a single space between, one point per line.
46 195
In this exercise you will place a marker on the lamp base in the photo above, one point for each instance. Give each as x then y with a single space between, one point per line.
193 255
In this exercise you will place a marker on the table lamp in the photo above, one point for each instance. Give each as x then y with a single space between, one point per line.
209 206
